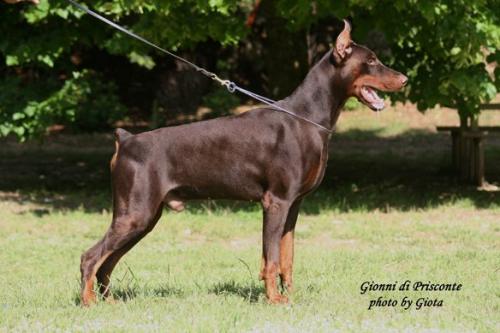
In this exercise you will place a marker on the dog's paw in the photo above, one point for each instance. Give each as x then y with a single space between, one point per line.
88 298
278 299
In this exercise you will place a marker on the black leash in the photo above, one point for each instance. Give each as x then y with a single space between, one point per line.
230 86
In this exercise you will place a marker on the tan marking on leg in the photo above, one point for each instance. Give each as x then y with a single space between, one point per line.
88 293
105 280
286 260
272 293
262 267
108 265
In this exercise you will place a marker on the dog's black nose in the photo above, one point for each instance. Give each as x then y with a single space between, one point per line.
404 80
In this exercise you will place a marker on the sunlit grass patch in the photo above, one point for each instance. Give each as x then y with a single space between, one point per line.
387 211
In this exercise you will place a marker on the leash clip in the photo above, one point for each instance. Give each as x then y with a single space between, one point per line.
230 86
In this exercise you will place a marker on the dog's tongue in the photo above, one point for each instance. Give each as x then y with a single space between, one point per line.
370 95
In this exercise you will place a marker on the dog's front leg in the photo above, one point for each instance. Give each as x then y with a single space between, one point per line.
286 247
275 214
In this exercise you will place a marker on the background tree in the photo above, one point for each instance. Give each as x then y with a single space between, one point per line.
442 45
62 66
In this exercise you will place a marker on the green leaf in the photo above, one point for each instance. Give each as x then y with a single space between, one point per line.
11 60
18 115
490 90
62 13
142 60
456 50
46 59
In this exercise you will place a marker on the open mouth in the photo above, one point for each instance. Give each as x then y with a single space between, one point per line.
371 99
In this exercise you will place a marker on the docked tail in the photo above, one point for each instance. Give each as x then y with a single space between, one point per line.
120 136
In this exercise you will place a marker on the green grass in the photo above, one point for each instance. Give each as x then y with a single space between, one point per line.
191 273
387 211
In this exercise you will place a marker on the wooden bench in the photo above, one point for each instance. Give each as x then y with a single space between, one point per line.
467 152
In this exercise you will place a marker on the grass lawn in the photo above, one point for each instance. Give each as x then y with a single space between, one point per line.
387 212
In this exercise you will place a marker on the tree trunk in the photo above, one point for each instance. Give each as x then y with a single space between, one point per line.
284 53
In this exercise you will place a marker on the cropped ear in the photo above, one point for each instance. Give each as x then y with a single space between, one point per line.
343 43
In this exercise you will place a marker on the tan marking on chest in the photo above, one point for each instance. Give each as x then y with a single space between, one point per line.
115 156
314 173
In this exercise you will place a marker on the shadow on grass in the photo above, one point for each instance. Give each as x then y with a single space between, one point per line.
251 293
125 294
128 293
365 172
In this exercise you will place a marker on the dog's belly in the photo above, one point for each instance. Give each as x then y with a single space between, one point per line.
176 197
249 193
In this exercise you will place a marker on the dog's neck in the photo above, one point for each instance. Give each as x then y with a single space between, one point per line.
320 96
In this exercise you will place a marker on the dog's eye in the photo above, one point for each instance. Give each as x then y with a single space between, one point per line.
372 61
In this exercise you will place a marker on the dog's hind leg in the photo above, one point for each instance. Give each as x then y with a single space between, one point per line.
124 233
103 274
137 207
90 259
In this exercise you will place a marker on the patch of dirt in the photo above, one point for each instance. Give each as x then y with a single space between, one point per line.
326 241
20 204
243 243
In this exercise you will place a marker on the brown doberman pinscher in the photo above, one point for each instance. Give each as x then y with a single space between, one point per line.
261 155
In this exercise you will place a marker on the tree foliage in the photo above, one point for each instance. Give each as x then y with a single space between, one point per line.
442 45
41 42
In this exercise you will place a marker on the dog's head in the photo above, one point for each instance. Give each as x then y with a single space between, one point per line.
364 72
